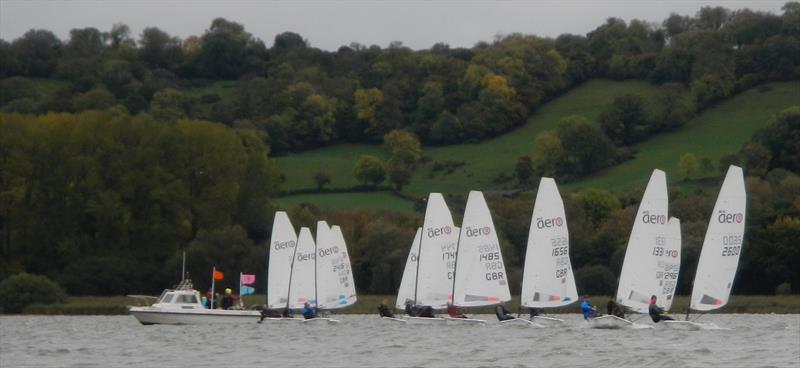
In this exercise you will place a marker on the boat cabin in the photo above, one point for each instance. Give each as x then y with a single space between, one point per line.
179 299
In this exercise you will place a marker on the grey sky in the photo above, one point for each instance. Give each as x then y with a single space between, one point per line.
330 24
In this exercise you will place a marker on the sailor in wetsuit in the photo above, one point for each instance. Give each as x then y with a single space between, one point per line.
454 312
384 310
308 311
657 313
425 311
615 309
502 313
411 310
589 311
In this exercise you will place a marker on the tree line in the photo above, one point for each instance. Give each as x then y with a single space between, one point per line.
104 203
302 97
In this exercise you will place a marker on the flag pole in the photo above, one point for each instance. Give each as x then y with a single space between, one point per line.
240 284
213 273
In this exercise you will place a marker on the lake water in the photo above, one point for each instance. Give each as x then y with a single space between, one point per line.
117 341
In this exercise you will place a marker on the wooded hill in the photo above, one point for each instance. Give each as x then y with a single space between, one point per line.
117 153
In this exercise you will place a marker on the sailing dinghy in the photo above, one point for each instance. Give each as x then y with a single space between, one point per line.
639 278
719 257
480 275
334 288
436 259
282 248
547 280
405 294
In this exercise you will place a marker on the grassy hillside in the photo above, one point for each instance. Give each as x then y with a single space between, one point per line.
370 200
718 131
482 161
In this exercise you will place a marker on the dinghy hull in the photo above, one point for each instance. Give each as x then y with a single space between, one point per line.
464 321
425 321
609 322
519 322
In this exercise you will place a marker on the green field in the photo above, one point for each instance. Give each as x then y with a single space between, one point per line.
367 304
483 161
715 132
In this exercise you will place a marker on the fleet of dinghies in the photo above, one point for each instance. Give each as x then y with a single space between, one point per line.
462 267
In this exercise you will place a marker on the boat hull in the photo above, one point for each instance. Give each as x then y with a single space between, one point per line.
393 320
519 322
155 316
425 320
548 321
321 320
609 322
282 320
464 321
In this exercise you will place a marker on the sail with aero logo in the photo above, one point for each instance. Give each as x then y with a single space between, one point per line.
335 287
281 251
547 279
480 275
719 257
437 254
646 248
406 290
302 286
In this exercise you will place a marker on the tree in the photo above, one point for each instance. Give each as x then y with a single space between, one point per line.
586 148
36 52
322 178
366 102
688 166
524 171
159 50
547 154
626 122
167 105
404 153
782 138
370 170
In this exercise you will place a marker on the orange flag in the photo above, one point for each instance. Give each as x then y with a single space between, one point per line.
218 275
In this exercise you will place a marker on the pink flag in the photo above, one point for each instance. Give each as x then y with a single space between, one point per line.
248 279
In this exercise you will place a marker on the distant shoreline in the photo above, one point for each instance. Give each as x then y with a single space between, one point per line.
367 304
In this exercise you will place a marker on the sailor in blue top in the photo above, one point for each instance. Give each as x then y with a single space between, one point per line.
308 311
589 311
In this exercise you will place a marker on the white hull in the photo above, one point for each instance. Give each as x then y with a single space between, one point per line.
609 322
425 320
282 320
319 320
548 321
519 322
155 316
464 321
393 320
690 326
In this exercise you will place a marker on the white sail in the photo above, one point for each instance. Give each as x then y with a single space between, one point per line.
547 279
437 254
281 250
719 257
637 281
480 275
335 287
407 283
302 283
670 264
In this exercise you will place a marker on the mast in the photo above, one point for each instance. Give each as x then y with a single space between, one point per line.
455 263
316 302
183 267
291 273
419 253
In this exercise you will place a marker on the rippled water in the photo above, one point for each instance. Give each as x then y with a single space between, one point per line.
38 341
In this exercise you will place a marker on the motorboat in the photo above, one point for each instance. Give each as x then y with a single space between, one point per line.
182 306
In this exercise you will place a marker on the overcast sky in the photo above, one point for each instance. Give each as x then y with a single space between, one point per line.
330 24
